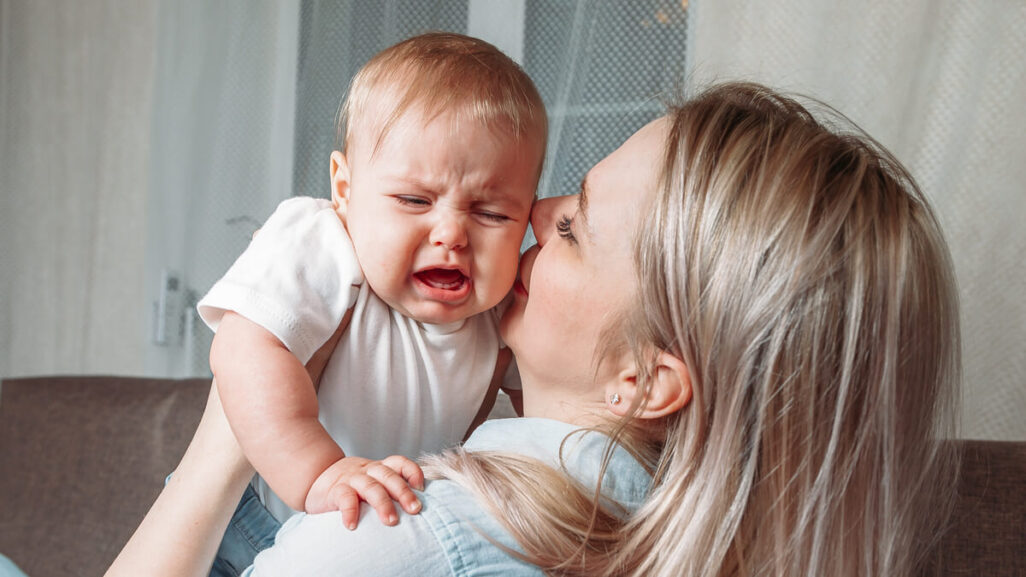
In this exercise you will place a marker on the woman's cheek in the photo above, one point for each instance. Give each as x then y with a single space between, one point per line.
558 310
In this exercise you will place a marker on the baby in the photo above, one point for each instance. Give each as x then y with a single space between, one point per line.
443 144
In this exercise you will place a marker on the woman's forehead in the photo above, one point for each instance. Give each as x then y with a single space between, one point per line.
623 183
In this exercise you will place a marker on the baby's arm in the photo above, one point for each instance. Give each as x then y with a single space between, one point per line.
271 403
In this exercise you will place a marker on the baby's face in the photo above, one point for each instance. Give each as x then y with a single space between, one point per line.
437 220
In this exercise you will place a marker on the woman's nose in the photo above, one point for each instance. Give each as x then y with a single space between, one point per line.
547 211
450 231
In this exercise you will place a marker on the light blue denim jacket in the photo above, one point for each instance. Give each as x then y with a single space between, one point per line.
446 537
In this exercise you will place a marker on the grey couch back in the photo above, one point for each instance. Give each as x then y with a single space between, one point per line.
81 461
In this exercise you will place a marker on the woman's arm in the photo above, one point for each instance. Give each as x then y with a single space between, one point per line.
180 534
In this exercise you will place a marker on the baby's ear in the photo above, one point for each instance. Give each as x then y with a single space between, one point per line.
669 392
340 183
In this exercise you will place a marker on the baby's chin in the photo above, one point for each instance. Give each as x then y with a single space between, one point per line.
437 313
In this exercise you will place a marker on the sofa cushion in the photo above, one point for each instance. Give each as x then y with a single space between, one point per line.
987 534
82 460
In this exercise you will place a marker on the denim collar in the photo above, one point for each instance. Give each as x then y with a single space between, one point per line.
625 481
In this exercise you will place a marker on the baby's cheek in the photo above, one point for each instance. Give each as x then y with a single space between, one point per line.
509 262
498 274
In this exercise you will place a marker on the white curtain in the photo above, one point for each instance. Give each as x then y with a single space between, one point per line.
942 84
221 158
75 88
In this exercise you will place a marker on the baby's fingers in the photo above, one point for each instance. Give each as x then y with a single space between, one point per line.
377 496
388 475
347 501
408 469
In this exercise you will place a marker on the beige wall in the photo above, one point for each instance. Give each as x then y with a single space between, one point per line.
75 95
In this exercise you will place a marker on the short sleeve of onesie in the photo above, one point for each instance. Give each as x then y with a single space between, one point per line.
297 278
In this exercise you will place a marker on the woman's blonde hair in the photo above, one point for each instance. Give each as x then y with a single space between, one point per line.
800 274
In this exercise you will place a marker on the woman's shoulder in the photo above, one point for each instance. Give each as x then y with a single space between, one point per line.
448 537
571 449
321 545
468 535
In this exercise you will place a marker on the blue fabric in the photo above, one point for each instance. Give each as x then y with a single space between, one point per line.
250 531
451 534
9 569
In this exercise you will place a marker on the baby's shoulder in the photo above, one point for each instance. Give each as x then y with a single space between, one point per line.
301 207
307 221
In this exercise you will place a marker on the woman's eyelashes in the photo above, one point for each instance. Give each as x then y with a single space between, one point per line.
564 229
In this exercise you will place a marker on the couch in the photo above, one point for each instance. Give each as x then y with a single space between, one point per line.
82 459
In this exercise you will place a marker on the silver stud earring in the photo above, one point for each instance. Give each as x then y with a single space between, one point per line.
614 399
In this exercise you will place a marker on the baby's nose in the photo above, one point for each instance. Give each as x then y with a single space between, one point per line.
450 231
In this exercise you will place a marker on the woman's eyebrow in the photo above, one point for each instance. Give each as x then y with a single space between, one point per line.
582 206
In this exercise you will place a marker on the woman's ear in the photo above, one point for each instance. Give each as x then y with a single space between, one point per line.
340 183
670 390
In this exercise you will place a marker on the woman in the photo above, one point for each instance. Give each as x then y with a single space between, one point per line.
758 310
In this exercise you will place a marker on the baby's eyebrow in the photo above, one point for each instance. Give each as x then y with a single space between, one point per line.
416 182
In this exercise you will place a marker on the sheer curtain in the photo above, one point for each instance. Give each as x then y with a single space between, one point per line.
221 157
943 85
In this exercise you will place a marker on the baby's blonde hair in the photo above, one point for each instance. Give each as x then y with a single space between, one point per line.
801 275
442 72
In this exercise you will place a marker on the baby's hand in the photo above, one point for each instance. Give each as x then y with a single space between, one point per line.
351 479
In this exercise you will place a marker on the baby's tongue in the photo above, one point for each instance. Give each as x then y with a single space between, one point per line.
442 278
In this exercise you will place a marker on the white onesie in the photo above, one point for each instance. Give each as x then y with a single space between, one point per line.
393 386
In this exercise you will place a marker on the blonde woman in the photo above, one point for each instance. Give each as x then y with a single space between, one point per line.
739 350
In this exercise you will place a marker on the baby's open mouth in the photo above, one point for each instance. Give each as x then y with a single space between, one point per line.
442 279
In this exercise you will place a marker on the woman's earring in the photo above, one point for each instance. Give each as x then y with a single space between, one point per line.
614 399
